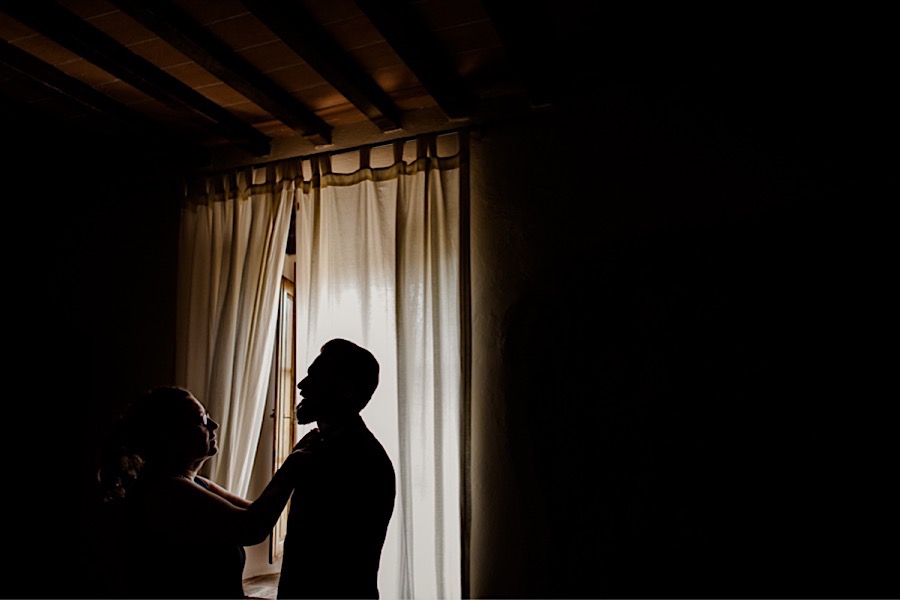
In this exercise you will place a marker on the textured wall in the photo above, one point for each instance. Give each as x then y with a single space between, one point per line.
662 359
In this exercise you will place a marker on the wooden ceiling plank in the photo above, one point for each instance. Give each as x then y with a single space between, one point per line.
176 27
299 31
75 91
70 31
64 85
408 36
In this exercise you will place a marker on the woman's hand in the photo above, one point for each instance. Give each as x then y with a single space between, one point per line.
309 442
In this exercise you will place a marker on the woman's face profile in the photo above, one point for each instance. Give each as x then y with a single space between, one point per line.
197 430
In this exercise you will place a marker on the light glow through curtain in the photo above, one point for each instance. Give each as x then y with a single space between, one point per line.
378 263
233 237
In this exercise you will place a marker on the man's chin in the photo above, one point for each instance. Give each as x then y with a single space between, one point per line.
304 418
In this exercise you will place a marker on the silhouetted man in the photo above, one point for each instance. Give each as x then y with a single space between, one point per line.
344 497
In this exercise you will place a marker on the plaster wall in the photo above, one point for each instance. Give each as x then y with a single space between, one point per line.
660 353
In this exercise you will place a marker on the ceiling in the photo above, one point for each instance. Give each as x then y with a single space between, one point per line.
218 82
253 76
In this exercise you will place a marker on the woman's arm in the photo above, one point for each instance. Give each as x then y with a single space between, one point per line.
223 493
183 506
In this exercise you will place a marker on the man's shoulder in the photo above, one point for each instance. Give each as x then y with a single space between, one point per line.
368 442
364 449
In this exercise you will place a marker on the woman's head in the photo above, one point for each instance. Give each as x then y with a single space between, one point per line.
168 424
166 429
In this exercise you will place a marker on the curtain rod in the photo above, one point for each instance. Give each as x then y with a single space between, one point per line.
356 148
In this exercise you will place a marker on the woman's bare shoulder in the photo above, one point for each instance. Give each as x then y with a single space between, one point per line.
182 490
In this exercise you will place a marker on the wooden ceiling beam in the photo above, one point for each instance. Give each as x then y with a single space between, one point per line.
70 31
523 29
73 91
65 86
415 45
172 24
299 31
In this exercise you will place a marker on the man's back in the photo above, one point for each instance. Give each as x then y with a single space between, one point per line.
338 519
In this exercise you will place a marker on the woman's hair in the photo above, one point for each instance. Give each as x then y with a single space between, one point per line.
137 438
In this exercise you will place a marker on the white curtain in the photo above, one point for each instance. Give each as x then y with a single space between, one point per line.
378 263
234 230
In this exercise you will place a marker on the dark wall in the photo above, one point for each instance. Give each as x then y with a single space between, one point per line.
92 245
688 388
125 302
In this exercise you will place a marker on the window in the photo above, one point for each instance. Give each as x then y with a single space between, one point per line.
284 366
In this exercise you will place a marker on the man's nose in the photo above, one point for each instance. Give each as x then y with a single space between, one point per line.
212 425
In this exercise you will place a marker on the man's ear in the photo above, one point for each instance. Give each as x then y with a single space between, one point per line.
345 392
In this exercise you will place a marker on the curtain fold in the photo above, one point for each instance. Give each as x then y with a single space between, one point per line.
233 237
378 263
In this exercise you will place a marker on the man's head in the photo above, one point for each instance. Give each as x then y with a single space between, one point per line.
338 384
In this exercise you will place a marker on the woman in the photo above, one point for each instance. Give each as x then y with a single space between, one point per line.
182 535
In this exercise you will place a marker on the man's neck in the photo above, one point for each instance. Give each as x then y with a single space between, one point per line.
333 426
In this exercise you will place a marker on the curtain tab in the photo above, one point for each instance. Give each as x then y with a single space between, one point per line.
316 178
426 145
324 164
421 147
365 154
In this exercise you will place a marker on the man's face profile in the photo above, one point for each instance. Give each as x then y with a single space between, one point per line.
320 390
